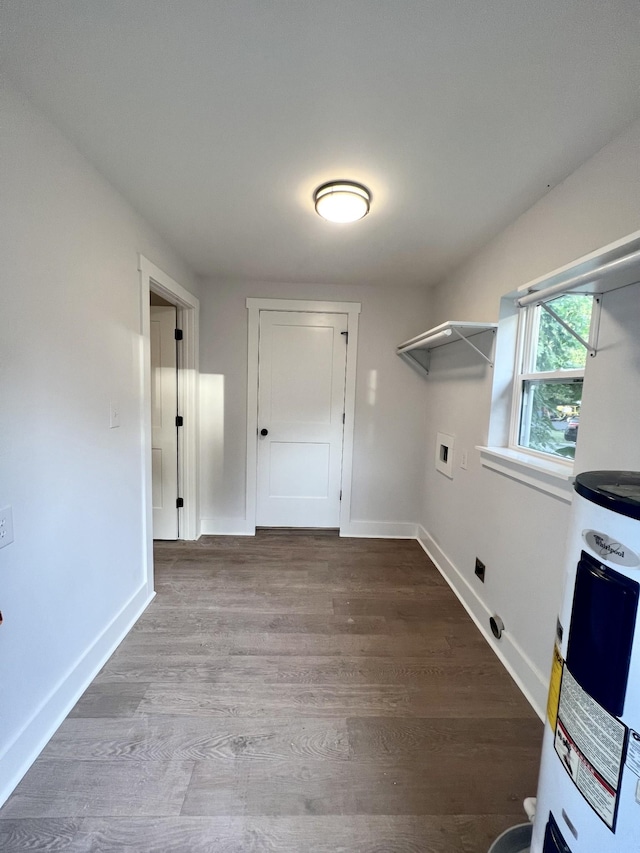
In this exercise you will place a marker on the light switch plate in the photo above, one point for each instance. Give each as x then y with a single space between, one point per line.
6 526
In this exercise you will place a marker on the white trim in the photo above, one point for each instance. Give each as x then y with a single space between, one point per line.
165 286
349 411
306 305
254 307
537 462
380 530
557 376
553 478
251 474
524 372
20 754
522 346
526 675
154 279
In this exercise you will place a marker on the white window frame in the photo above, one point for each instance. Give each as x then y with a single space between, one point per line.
608 268
526 346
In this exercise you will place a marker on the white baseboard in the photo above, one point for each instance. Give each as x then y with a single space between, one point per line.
380 529
36 733
527 676
226 527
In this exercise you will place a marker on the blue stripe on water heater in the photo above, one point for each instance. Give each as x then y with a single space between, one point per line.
553 840
603 618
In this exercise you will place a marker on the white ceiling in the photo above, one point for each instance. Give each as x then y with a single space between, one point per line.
218 118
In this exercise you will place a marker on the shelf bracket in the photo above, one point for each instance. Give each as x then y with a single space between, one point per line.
473 346
558 319
421 366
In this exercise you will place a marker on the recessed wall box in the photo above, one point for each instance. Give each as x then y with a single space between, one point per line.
444 454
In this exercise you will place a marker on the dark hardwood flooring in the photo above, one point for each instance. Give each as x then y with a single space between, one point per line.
295 692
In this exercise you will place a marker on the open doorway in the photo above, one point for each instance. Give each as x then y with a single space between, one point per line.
158 287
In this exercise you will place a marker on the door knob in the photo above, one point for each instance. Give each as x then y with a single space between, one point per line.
264 432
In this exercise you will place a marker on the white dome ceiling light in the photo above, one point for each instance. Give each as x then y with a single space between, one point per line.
342 201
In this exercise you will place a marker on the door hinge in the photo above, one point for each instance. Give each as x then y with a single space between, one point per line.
179 421
340 494
346 337
177 334
343 417
179 503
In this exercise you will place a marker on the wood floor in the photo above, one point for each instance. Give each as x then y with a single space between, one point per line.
294 692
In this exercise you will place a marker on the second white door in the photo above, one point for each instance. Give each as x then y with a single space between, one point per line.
164 448
301 385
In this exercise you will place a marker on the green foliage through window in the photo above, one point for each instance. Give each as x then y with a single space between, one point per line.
557 349
549 407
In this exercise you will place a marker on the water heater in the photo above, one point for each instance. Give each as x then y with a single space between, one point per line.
589 787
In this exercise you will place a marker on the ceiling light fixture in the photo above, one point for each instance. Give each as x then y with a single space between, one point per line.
342 201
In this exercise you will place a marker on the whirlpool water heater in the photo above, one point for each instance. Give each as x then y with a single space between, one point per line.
589 788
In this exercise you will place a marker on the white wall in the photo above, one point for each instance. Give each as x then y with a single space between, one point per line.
390 403
610 410
516 530
75 578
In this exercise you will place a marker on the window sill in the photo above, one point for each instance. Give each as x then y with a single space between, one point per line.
553 478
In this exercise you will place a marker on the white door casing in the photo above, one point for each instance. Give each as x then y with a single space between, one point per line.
152 278
301 382
164 434
256 306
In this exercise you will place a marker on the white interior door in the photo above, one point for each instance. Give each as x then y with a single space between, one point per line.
164 401
301 384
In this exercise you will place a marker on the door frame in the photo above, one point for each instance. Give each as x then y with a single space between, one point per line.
152 278
254 307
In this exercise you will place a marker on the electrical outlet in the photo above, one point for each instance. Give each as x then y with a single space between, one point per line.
464 459
6 526
480 569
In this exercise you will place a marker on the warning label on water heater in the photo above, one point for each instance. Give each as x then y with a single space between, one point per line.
553 700
590 744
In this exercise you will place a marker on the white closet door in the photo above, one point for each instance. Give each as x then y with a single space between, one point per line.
301 385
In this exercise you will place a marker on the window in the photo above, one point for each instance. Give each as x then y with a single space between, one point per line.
550 373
